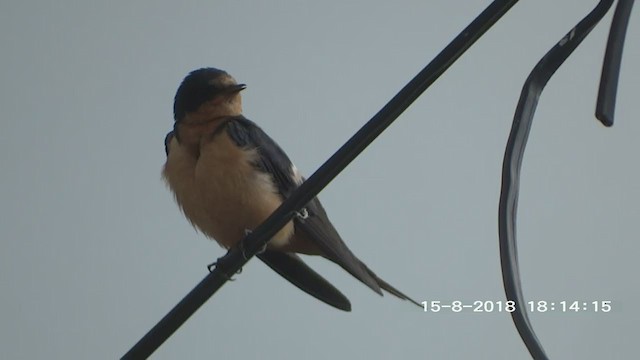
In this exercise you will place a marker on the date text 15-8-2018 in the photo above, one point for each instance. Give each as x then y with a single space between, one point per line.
540 306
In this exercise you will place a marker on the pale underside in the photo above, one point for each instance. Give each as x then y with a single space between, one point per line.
223 194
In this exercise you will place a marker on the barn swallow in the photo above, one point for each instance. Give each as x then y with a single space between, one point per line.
228 176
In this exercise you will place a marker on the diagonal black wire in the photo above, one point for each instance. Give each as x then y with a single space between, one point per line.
605 107
516 143
236 257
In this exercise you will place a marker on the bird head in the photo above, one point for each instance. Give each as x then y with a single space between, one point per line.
205 94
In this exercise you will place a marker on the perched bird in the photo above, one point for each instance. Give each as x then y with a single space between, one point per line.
228 176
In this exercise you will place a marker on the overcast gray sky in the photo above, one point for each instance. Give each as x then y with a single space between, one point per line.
94 250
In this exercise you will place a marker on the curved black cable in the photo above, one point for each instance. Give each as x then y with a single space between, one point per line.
605 107
236 257
516 143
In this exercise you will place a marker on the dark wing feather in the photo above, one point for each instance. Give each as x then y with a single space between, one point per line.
273 160
316 227
292 268
319 228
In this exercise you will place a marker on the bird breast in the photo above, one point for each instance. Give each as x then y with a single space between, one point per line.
221 192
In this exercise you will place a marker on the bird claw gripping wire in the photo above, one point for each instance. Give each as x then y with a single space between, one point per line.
219 264
303 214
247 232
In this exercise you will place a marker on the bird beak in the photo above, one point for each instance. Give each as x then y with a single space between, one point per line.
227 90
237 88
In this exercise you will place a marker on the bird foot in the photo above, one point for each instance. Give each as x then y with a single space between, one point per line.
244 255
220 263
303 214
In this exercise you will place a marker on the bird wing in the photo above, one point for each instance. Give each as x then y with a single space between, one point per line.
316 227
291 267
